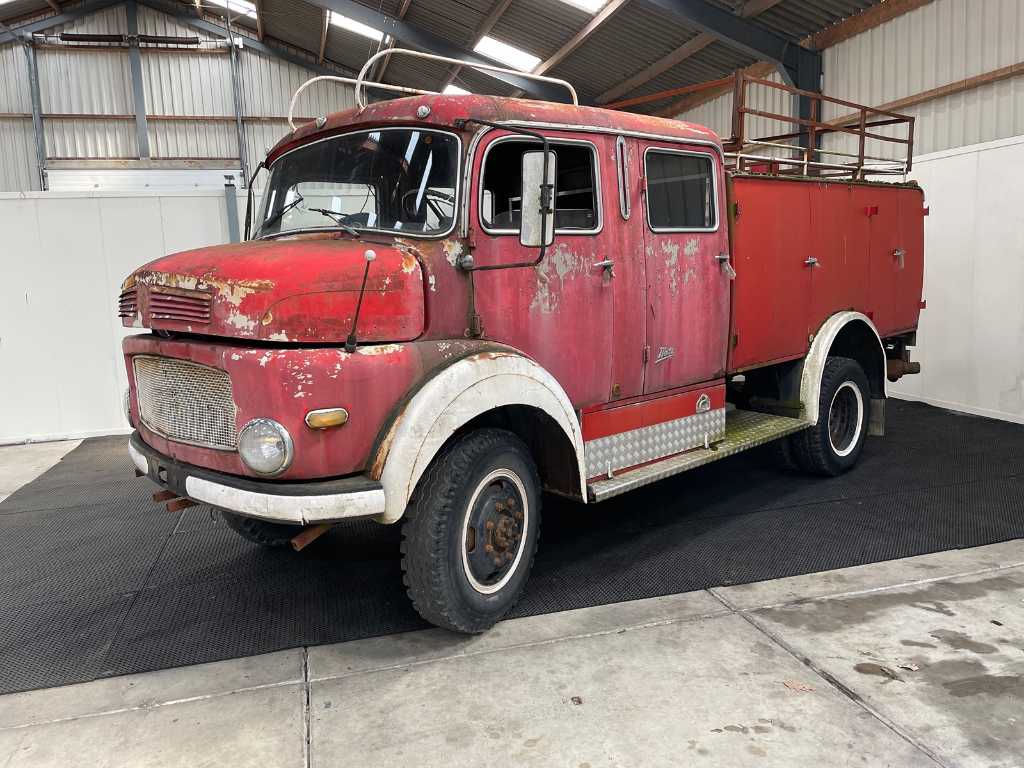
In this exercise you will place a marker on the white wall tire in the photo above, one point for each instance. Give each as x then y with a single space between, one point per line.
833 445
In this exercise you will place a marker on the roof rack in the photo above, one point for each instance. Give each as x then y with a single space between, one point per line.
778 155
361 83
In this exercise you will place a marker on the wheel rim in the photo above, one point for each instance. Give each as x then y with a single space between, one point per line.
494 530
845 418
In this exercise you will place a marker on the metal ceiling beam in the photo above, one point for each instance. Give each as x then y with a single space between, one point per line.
53 4
416 37
27 30
686 50
484 29
183 15
259 21
609 10
801 67
379 74
323 36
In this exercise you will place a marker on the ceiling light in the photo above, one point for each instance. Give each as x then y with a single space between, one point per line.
454 90
507 54
356 26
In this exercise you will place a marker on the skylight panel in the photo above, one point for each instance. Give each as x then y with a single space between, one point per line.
590 6
515 58
237 7
354 26
454 90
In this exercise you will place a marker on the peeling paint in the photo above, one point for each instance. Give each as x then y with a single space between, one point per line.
671 251
379 349
691 247
453 249
278 336
241 322
432 280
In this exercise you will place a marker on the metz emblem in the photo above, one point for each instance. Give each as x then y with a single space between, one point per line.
703 403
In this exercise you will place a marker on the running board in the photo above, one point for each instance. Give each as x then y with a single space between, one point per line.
743 430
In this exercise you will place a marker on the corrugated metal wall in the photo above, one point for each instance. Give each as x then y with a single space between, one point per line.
940 43
181 89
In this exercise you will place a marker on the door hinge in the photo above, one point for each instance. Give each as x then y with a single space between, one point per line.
647 354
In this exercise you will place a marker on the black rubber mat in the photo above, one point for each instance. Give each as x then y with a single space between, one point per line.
97 580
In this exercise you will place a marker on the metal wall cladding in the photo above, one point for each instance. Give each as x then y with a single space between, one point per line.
187 84
17 155
85 83
89 138
14 91
940 43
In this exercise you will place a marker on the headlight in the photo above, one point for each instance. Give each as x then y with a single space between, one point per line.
265 447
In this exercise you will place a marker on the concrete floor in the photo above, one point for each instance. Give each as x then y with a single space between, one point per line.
911 662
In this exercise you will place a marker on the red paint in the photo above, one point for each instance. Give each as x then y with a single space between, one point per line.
779 301
611 421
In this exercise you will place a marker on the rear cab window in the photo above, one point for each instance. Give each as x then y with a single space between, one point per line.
681 194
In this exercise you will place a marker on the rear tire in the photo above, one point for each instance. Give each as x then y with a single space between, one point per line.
833 445
262 532
471 531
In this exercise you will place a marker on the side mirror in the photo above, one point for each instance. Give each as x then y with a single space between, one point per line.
537 229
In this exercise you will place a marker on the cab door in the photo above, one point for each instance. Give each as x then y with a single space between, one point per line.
560 312
687 303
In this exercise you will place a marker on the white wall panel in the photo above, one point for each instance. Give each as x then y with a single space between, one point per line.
971 337
63 261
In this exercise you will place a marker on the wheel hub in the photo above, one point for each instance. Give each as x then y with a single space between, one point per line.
494 532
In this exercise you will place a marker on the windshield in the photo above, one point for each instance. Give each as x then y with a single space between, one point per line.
395 179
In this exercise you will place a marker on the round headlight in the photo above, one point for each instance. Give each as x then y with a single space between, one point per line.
265 447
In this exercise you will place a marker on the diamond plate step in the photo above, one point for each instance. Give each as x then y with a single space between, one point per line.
743 430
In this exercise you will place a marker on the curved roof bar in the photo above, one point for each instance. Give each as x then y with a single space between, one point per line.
434 57
350 81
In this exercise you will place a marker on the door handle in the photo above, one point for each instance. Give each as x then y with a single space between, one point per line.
812 261
607 265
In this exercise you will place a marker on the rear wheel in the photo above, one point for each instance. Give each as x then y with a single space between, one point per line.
262 532
833 445
471 531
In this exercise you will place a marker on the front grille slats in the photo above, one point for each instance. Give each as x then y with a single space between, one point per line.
179 306
186 402
128 303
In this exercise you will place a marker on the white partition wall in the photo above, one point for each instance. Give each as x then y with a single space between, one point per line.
61 265
971 337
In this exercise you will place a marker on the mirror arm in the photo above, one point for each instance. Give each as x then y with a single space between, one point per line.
249 200
545 194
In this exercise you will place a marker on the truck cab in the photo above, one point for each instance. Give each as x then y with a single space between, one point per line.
448 305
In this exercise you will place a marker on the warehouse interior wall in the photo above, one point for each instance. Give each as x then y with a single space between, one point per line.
65 256
971 336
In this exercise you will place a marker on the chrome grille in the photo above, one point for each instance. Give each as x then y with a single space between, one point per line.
128 303
186 402
181 306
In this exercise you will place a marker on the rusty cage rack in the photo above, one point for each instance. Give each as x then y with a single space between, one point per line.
811 159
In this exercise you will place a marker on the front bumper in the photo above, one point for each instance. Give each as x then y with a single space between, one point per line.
296 503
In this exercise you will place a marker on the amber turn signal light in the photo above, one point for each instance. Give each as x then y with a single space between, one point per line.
325 418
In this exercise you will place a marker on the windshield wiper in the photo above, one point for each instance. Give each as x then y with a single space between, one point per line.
338 217
284 209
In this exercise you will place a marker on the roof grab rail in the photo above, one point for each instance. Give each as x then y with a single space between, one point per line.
361 81
350 81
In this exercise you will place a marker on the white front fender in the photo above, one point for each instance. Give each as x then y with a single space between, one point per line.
459 393
814 363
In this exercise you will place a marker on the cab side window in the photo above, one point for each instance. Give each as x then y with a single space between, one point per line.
680 191
576 197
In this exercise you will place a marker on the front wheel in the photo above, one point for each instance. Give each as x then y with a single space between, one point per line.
471 531
833 445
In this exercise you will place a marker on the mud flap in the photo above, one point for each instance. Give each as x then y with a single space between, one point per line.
876 420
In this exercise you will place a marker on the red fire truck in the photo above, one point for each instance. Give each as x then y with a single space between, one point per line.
449 304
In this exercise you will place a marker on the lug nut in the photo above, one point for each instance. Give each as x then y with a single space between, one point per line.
489 525
488 548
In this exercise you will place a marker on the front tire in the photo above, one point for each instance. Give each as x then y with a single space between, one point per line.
471 531
833 445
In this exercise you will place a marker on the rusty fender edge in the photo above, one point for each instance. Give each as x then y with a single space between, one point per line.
292 503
